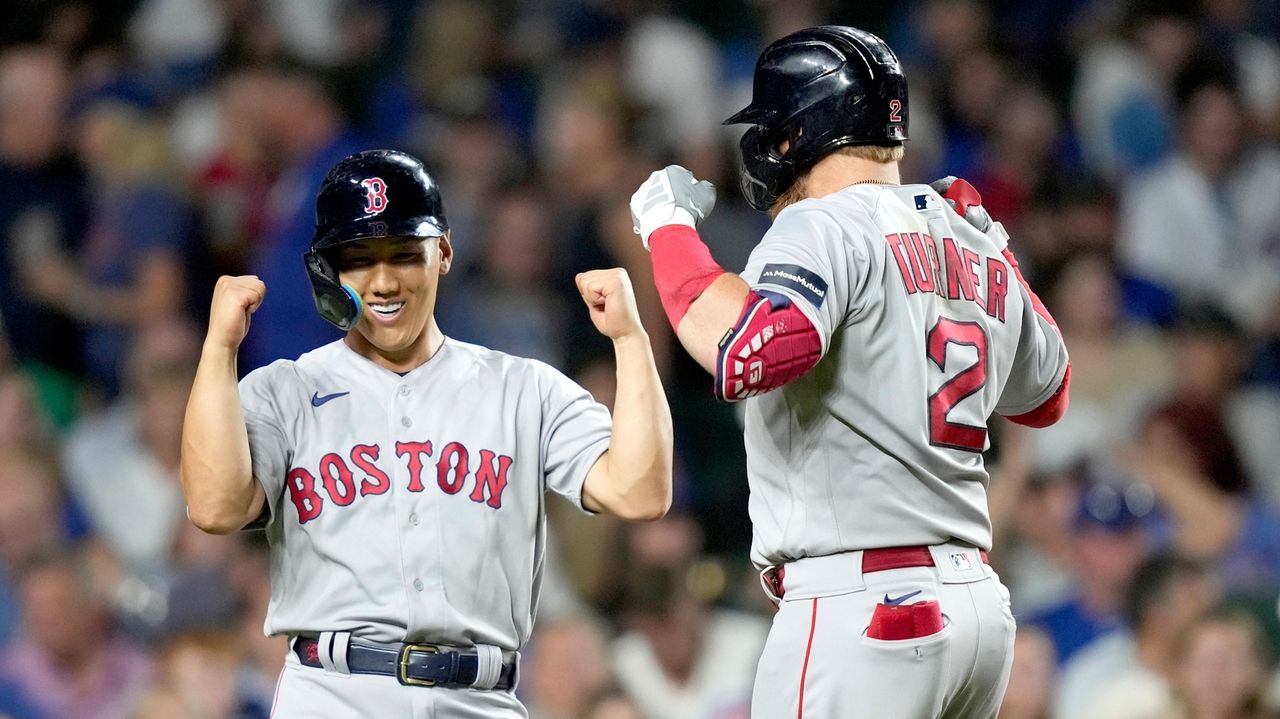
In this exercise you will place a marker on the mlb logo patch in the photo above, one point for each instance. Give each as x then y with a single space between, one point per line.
926 202
961 561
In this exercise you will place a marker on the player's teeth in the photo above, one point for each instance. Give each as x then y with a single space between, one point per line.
387 309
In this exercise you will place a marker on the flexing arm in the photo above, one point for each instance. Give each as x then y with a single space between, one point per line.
632 479
749 342
217 477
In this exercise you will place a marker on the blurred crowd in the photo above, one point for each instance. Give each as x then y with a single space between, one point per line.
149 146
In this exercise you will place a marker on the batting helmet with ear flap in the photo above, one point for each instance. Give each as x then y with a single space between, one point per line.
376 193
818 89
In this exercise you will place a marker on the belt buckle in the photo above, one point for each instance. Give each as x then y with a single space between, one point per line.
403 673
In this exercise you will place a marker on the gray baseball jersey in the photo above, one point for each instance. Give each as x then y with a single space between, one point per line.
410 508
925 332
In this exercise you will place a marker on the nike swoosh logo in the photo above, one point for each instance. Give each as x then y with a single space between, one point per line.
317 400
899 600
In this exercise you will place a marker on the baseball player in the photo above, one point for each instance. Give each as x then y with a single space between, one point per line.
871 335
400 474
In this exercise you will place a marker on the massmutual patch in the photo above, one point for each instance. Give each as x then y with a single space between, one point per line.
797 279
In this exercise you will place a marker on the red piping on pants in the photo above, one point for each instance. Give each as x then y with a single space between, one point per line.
813 624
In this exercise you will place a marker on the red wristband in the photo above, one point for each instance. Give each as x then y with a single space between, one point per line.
682 268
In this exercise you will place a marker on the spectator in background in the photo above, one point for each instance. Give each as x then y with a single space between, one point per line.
1031 680
30 523
1241 27
1222 670
122 466
1204 223
976 86
306 131
1126 675
1122 97
584 147
23 422
678 657
1188 453
509 304
263 660
565 669
1122 367
232 182
198 674
131 270
671 66
1038 509
41 215
1109 539
1189 460
1023 151
69 663
477 157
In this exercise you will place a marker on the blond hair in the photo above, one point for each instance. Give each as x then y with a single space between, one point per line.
883 154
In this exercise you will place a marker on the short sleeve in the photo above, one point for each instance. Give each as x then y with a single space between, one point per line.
269 448
575 432
1039 363
806 258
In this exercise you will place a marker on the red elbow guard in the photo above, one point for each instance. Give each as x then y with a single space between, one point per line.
1053 408
772 344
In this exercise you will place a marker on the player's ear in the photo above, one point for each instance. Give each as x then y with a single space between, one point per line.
446 252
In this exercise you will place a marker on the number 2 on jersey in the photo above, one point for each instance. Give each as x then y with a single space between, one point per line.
968 380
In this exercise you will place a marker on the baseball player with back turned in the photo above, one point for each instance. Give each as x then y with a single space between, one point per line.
400 474
872 334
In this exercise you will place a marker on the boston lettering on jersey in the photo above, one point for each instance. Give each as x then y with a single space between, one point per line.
955 273
337 475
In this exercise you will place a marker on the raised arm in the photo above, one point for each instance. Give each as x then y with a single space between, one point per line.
217 477
749 342
632 479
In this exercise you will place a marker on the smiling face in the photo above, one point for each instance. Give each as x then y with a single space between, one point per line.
396 279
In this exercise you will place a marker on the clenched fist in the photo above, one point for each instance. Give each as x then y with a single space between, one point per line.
671 196
234 300
611 302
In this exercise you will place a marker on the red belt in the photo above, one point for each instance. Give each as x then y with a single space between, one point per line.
873 560
878 560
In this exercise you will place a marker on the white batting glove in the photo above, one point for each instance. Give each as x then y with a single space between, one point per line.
671 196
967 203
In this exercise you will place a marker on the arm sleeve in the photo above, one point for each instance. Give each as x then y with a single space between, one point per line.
575 432
264 416
1040 363
809 259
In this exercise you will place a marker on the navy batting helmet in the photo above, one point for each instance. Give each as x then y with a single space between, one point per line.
818 89
377 193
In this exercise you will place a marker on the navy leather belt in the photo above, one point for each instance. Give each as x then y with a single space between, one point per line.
423 665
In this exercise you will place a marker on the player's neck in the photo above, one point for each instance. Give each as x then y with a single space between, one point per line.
401 360
837 171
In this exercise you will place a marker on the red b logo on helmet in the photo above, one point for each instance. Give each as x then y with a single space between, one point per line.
375 194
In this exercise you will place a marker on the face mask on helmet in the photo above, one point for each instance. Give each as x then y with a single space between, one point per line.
336 303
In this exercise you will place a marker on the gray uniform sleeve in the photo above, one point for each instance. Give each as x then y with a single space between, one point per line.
1038 364
810 260
264 417
575 432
